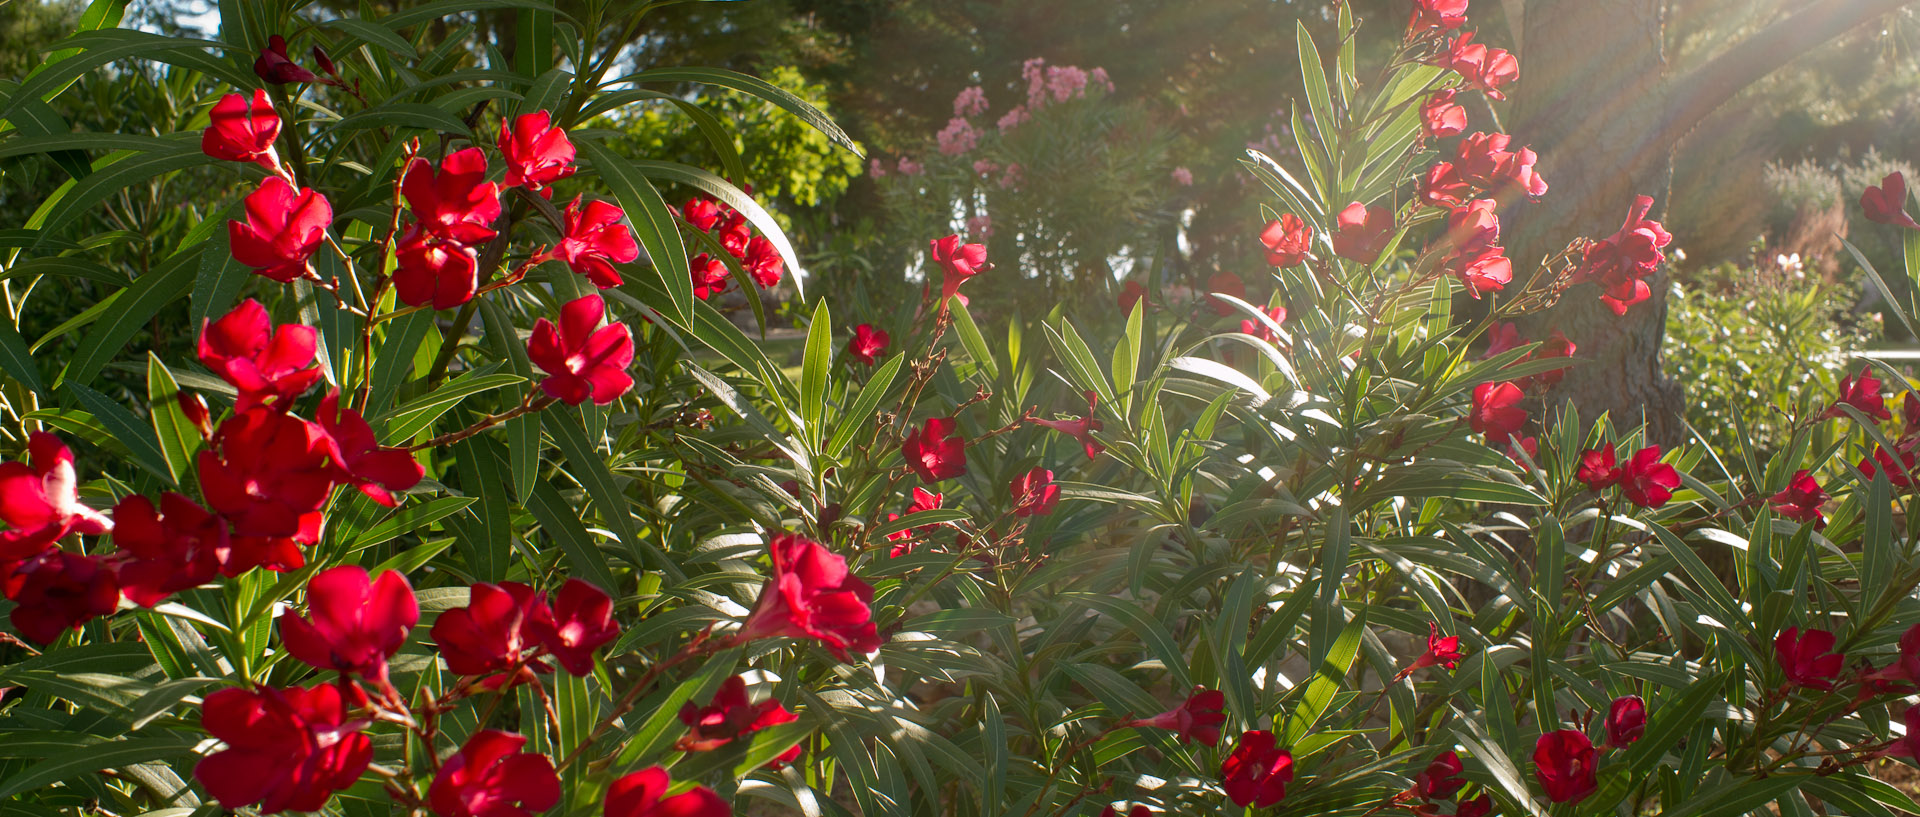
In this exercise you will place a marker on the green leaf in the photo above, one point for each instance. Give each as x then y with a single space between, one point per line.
859 417
419 414
111 174
409 519
561 522
1314 78
131 312
653 223
438 9
93 758
18 363
755 87
971 338
430 118
1152 633
594 475
126 428
731 196
178 437
814 368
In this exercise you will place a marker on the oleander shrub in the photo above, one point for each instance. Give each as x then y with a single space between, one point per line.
468 502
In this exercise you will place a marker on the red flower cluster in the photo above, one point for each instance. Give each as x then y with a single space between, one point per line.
1488 69
1482 164
1441 779
811 594
491 777
1863 394
287 749
729 716
267 366
1496 411
1198 718
1472 248
754 252
582 359
1258 771
1644 479
538 152
275 67
1805 658
641 795
1503 337
454 207
1621 263
1800 501
504 628
356 623
1436 14
1441 652
1626 721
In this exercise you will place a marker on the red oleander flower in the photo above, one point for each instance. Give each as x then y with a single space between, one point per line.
811 594
538 152
701 213
1198 718
243 130
1495 411
1564 763
356 624
244 553
734 233
595 241
269 474
1528 445
1225 283
40 500
1899 471
1598 468
1488 69
1131 294
1887 204
1484 162
1804 658
1556 345
1441 117
287 749
494 632
709 276
1909 744
936 453
276 68
1081 429
1259 329
1481 806
763 262
1288 240
434 271
267 366
1626 720
375 470
1441 14
1800 501
639 795
580 360
56 591
1361 232
868 343
491 777
579 621
1620 263
923 500
959 262
166 550
1441 778
1258 771
1489 271
1472 228
1863 394
1034 493
1646 481
730 715
1441 652
454 201
284 228
1503 337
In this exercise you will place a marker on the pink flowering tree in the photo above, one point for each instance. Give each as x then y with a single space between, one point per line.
469 502
1016 167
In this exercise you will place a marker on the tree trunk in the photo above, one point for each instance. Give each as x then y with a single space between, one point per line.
1596 102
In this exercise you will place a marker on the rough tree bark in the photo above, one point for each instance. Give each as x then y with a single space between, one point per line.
1597 101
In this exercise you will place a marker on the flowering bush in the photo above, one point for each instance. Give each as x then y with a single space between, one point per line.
1310 549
